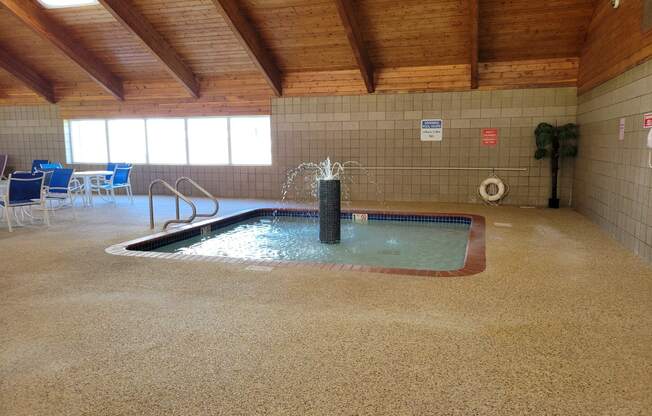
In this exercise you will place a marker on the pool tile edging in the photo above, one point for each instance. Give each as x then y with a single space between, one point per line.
474 262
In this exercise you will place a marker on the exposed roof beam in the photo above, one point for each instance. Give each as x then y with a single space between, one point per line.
34 17
474 20
134 22
250 41
347 15
27 76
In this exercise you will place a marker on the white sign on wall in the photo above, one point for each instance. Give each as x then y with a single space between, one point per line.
432 130
621 129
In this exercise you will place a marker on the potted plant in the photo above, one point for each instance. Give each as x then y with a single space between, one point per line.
555 142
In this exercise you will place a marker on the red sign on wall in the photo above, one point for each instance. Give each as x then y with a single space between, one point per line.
647 121
489 137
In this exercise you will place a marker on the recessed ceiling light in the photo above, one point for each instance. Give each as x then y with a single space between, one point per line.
53 4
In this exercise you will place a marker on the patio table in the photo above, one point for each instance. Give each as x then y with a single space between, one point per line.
87 176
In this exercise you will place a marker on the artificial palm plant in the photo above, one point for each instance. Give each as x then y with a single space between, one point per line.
555 142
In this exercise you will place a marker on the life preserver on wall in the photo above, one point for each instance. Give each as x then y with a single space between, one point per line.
492 197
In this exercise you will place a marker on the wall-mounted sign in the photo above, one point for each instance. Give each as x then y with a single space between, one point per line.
489 137
647 120
621 130
432 130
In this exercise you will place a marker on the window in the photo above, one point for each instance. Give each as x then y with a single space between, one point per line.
208 141
54 4
127 141
88 141
251 141
178 141
166 141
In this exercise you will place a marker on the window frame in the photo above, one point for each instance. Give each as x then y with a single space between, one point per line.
69 141
271 145
108 138
228 141
185 135
70 150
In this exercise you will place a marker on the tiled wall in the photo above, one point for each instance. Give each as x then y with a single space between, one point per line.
383 131
377 131
27 132
613 185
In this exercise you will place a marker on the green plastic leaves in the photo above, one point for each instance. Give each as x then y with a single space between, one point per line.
555 141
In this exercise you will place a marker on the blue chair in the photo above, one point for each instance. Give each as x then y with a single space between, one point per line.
107 178
119 180
62 189
25 190
36 164
111 167
48 168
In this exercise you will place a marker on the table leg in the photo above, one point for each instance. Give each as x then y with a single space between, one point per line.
88 191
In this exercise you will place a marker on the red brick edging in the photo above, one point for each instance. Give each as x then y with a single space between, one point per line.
474 262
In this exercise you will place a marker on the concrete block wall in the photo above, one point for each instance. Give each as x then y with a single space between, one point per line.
375 130
384 131
613 184
30 131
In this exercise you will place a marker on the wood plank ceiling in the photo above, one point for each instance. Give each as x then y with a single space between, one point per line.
290 47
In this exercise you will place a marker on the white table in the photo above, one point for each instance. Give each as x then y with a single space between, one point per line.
87 176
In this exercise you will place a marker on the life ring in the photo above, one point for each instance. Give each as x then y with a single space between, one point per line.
492 181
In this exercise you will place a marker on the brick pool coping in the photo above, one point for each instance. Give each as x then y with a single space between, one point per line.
474 262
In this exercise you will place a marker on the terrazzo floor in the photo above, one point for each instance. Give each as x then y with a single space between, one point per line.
560 323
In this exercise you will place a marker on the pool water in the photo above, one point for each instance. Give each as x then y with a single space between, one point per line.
420 245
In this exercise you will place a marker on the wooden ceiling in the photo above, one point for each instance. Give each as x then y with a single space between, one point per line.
295 47
526 29
415 32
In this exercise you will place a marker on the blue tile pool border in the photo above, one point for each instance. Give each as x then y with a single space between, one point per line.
475 261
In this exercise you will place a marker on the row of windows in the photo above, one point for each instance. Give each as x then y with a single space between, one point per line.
177 141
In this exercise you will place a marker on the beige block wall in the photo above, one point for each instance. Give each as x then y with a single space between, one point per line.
30 131
613 185
383 131
376 131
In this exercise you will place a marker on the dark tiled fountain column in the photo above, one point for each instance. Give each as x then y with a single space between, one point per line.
329 211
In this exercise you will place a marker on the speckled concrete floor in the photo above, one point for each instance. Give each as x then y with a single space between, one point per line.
560 323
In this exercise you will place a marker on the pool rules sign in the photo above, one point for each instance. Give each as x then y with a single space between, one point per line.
432 130
489 137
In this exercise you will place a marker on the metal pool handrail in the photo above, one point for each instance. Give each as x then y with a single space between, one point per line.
178 195
200 189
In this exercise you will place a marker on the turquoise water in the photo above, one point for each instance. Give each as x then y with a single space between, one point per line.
393 244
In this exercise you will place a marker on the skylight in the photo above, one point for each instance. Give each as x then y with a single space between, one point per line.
53 4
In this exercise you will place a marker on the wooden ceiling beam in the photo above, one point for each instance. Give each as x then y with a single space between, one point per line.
251 42
37 20
347 16
27 76
474 40
135 23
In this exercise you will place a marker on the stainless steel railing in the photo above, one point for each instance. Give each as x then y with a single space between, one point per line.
177 195
200 189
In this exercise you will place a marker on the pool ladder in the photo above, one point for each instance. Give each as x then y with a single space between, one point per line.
179 196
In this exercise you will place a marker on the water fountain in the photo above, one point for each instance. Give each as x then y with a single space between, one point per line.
329 202
326 178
